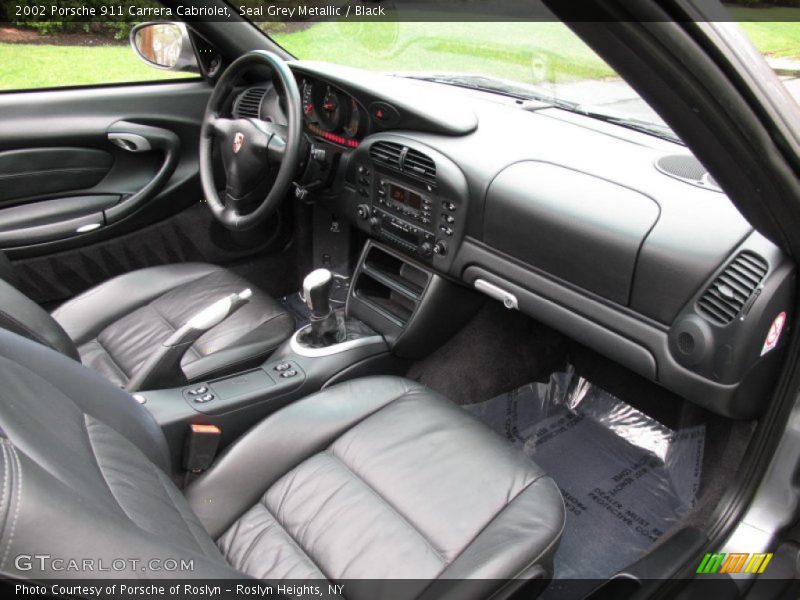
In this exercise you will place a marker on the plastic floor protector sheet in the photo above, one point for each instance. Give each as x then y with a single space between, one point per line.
625 477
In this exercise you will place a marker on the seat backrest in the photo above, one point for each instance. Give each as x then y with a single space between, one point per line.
85 475
20 314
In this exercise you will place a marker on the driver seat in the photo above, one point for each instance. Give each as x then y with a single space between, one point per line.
114 327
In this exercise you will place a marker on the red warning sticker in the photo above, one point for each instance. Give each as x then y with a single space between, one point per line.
774 333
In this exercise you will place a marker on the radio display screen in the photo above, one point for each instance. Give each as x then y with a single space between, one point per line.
405 197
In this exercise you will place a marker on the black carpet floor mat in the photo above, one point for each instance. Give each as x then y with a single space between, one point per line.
625 477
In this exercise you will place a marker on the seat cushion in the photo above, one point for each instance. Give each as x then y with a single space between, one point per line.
379 478
118 324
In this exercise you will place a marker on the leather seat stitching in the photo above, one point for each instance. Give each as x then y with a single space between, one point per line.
490 521
114 364
294 541
12 530
389 505
6 486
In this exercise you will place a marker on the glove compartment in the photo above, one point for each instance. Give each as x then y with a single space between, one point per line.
577 227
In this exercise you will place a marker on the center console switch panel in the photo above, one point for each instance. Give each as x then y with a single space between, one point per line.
410 197
414 308
274 378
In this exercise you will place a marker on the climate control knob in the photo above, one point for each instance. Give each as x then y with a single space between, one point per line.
426 249
363 211
374 223
440 249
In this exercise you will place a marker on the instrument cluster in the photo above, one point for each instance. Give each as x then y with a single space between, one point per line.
332 114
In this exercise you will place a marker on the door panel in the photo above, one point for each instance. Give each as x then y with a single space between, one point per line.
72 149
81 166
36 172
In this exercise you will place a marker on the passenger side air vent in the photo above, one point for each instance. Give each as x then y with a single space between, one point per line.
687 168
732 289
248 104
387 153
416 163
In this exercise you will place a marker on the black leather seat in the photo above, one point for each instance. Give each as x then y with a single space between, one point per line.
115 326
375 478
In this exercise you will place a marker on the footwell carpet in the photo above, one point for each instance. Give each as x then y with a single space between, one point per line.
625 477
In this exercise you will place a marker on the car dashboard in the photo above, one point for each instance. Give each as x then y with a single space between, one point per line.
619 239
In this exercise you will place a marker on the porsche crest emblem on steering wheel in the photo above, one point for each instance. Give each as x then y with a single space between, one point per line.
238 142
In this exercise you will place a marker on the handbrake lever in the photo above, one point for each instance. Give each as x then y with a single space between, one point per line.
160 367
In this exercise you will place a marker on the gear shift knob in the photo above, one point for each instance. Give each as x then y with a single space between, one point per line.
316 289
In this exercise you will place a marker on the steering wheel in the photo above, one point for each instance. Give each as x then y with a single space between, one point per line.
260 157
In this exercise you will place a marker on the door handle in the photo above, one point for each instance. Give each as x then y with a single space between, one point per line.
132 142
135 137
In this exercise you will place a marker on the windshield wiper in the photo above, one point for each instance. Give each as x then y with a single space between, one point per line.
524 92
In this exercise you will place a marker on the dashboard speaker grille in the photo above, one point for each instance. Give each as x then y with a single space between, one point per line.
686 167
249 103
731 290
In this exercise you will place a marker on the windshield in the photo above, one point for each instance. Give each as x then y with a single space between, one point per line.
539 60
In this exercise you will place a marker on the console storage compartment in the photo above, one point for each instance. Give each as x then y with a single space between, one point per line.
413 307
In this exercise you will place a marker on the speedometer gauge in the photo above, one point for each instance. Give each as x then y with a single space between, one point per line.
331 110
353 126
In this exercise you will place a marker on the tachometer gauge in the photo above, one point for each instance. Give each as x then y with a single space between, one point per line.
353 126
330 111
308 100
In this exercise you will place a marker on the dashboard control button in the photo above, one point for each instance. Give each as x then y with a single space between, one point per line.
445 230
448 206
440 248
448 218
284 366
289 373
198 390
204 398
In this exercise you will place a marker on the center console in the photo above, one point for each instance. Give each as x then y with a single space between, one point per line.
410 197
397 310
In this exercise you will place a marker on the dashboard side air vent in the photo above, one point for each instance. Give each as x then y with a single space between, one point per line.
403 159
687 168
730 292
387 153
248 105
420 165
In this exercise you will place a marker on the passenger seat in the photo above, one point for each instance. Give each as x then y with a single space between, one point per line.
376 478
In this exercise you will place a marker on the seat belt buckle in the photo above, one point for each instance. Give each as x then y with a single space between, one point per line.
201 446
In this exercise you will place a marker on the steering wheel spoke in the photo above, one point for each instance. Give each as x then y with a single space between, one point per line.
218 127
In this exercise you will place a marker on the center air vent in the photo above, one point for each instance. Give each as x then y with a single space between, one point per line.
403 159
733 288
248 104
416 163
387 153
687 168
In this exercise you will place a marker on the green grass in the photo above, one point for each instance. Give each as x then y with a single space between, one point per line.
529 52
30 66
772 30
